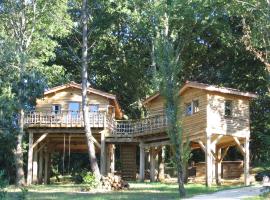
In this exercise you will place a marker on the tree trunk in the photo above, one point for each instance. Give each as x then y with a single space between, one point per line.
180 174
87 128
20 179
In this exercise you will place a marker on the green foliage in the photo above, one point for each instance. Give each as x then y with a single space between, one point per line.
3 185
90 180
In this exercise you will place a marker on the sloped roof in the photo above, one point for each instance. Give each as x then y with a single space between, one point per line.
202 86
72 84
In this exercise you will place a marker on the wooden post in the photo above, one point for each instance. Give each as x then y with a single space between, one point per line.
246 162
103 154
111 158
35 166
142 162
46 168
152 164
161 160
40 166
30 160
218 166
208 161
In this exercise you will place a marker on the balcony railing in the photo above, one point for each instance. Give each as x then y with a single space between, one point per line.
64 119
117 128
153 124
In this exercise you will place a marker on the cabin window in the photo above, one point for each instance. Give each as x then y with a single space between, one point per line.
56 109
74 107
94 107
228 108
195 105
188 109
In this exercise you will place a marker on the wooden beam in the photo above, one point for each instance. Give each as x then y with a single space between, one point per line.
30 160
41 147
96 142
35 167
152 164
103 154
224 154
215 141
156 144
204 148
208 159
218 166
246 162
240 147
42 137
142 161
40 166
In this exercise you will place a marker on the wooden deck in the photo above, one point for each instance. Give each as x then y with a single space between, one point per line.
117 128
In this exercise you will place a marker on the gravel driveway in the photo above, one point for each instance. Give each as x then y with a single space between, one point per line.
238 194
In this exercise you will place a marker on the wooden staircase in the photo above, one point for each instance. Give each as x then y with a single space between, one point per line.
128 160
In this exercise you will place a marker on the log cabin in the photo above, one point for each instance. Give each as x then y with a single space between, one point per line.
213 119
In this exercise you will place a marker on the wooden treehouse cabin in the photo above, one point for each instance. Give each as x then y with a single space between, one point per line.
212 118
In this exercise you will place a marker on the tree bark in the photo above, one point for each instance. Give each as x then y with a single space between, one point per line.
87 128
20 179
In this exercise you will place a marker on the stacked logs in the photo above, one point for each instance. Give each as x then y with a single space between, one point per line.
113 182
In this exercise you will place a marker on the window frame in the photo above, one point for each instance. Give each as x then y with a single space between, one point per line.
230 108
92 104
194 110
54 111
187 105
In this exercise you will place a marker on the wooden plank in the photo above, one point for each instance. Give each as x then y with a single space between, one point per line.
208 159
35 167
30 160
103 154
246 162
40 166
142 161
42 137
152 164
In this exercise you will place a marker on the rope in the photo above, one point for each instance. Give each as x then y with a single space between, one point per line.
69 152
64 152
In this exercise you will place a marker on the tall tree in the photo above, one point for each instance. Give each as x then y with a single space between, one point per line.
87 128
29 27
168 60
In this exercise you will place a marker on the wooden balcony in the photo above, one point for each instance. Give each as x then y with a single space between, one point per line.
64 119
132 128
116 128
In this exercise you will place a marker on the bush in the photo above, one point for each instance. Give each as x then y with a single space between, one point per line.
3 185
90 180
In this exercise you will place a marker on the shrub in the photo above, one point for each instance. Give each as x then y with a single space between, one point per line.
3 185
90 180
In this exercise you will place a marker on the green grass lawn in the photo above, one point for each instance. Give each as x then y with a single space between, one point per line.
137 191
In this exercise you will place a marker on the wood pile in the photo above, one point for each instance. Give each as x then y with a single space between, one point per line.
113 182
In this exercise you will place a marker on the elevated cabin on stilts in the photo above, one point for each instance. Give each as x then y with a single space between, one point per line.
213 119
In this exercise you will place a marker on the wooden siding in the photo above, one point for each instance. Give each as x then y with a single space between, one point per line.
237 124
194 125
156 106
65 96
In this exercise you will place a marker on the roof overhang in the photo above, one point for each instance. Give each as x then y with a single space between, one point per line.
207 87
72 84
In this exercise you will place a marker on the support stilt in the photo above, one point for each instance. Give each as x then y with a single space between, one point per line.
218 166
152 164
208 158
103 154
35 166
161 160
40 166
246 162
30 160
142 162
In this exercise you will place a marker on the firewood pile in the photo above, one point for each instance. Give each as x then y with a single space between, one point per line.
113 182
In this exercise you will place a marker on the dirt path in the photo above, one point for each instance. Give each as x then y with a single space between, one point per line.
238 194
